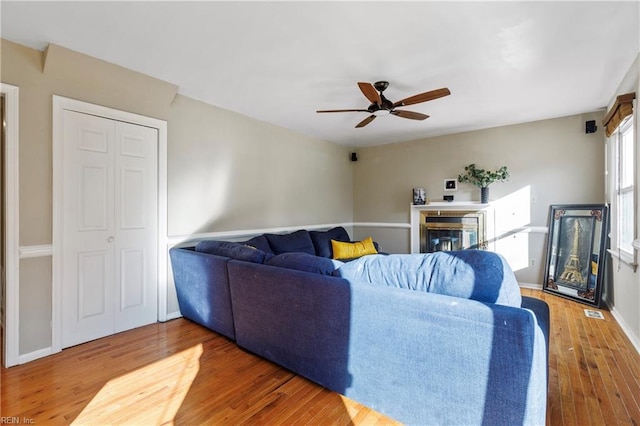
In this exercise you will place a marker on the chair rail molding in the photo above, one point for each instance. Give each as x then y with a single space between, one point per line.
44 250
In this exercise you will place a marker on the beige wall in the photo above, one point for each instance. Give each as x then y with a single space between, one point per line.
229 172
225 171
553 161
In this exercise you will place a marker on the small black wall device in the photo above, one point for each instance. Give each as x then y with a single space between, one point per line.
354 156
590 126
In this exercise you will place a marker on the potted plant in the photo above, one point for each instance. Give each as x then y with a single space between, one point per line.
483 178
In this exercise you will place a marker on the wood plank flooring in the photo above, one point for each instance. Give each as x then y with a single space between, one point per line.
171 373
594 370
180 373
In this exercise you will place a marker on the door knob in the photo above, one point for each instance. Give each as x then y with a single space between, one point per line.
110 239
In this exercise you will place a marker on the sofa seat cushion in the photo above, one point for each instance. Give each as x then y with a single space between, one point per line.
304 262
473 274
298 241
238 251
322 240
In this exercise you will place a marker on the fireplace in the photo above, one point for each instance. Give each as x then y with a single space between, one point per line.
452 230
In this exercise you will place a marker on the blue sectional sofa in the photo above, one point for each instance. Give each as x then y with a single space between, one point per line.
441 338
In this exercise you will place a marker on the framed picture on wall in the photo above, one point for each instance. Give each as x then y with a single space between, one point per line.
576 251
450 184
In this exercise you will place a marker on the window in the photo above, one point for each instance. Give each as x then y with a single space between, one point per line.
619 128
625 188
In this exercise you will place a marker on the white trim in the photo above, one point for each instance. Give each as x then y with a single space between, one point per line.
533 229
451 205
178 239
32 356
27 252
381 225
173 315
623 258
241 233
12 226
59 105
626 329
532 286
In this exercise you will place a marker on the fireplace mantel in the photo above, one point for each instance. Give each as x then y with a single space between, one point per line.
448 207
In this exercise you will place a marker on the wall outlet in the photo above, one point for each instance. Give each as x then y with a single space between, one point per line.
532 262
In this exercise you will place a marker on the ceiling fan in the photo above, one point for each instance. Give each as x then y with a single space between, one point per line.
383 106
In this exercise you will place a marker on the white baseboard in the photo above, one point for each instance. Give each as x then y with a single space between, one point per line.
32 356
173 315
626 329
530 285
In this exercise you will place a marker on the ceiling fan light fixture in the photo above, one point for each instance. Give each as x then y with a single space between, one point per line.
382 106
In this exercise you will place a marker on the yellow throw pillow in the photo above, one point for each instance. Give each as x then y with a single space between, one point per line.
342 251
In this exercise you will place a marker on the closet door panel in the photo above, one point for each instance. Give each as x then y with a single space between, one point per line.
88 226
110 227
136 222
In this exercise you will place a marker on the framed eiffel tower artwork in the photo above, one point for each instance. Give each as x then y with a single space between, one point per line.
576 251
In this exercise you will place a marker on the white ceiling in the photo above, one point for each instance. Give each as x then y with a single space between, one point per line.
504 62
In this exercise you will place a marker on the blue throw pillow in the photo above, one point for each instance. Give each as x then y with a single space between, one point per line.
298 241
322 240
237 251
304 262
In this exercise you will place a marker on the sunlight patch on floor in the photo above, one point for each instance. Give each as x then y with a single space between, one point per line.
150 395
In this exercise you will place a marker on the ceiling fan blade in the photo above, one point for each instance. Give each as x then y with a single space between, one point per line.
370 93
423 97
410 114
366 121
343 110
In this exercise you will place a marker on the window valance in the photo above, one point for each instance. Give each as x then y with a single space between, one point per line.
621 109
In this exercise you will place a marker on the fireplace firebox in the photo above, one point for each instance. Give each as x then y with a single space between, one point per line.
452 230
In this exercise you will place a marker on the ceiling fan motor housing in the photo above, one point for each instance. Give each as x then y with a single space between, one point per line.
381 85
385 104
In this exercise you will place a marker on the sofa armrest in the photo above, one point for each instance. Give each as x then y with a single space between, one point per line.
418 357
202 287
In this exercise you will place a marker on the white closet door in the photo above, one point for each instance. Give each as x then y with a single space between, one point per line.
136 223
109 227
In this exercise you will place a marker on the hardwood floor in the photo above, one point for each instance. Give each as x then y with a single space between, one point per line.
180 373
594 370
170 373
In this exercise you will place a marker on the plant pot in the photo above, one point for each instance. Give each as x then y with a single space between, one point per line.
484 194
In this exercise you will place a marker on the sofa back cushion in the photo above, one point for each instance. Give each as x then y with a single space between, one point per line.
472 274
238 251
304 262
298 241
260 242
322 240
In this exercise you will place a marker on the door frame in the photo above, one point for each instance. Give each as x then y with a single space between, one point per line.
11 342
60 104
